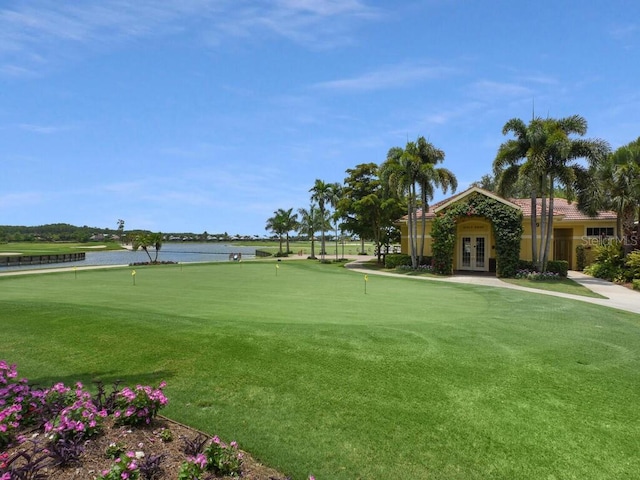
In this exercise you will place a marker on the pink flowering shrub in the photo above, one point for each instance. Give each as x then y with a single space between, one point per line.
57 397
193 468
223 459
217 458
19 405
71 415
81 419
125 467
68 413
139 406
10 417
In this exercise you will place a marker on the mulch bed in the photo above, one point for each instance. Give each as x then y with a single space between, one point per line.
146 439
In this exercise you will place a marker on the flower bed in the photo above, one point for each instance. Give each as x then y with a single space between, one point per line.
63 433
538 276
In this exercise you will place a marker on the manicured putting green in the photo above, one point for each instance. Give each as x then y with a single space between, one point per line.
413 379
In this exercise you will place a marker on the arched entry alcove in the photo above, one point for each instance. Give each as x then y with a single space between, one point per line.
454 241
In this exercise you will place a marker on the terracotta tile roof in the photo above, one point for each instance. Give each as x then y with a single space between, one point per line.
561 208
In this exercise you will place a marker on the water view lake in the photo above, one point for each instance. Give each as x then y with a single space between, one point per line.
170 252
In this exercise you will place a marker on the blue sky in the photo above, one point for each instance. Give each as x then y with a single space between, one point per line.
208 115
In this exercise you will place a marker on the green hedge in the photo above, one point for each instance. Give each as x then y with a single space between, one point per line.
527 265
632 262
581 257
396 260
561 267
636 284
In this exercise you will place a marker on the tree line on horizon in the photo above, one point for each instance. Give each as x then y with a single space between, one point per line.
65 232
544 159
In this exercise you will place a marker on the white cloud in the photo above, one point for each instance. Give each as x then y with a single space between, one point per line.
43 129
123 189
36 32
490 89
540 79
445 115
624 31
391 76
19 200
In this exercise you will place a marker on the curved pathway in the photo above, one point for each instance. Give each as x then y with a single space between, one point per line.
618 297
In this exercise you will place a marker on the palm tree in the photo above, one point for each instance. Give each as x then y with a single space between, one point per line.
412 173
121 230
309 224
146 241
336 225
290 221
324 194
619 179
429 178
282 222
334 200
509 167
400 172
543 153
566 164
277 225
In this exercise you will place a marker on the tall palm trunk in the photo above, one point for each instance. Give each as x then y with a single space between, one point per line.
322 219
534 226
410 228
619 231
423 217
543 229
634 241
549 229
146 250
413 231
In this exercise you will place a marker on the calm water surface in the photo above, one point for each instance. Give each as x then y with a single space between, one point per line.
170 252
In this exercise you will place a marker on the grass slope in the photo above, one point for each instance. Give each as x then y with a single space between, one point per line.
413 379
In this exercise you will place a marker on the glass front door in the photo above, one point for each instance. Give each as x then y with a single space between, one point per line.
473 254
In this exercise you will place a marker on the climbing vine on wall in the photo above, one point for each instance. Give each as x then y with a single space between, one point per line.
507 228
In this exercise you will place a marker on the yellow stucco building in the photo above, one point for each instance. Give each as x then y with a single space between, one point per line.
475 236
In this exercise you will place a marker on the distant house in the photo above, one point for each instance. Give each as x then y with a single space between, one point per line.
475 236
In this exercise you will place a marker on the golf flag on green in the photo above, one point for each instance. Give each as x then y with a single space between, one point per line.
277 268
366 279
133 275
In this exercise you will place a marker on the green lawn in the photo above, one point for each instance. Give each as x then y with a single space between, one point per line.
562 285
414 379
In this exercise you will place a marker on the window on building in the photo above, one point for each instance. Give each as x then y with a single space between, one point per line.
599 231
